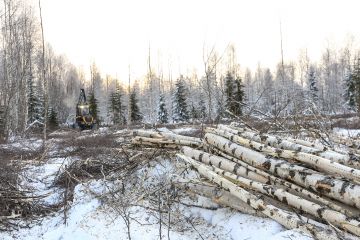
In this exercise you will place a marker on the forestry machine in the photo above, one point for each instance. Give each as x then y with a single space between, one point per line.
83 117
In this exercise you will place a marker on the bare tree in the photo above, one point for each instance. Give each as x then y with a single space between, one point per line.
45 82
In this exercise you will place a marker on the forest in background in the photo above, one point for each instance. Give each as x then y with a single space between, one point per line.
225 89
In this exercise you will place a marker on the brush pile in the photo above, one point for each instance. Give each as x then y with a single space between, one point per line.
300 184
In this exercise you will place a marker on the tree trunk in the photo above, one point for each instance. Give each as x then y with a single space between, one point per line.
219 196
223 164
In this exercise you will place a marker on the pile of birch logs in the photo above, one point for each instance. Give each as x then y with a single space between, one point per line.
157 139
297 183
300 184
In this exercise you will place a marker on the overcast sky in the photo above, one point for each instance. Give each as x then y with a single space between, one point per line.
116 33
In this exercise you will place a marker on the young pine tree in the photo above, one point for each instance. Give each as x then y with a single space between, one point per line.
229 95
135 116
313 85
180 112
35 105
162 112
239 97
356 82
352 94
52 118
193 112
116 107
93 107
202 108
350 91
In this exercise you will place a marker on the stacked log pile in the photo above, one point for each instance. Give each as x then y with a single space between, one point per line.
168 140
299 184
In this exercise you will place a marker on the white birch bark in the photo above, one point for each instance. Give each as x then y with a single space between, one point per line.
219 196
285 144
327 214
223 164
165 135
160 141
302 192
287 219
319 163
343 191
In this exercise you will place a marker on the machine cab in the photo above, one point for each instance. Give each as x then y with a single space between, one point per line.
82 110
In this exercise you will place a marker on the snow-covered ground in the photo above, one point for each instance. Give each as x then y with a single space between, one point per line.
347 132
89 218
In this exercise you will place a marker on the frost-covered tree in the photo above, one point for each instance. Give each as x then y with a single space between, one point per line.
135 115
162 111
116 106
93 107
35 105
52 118
312 81
202 108
355 78
229 94
180 111
193 112
239 97
352 87
350 91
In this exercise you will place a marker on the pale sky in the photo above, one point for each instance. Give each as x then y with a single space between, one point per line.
116 33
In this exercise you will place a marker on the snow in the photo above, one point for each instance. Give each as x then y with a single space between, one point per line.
184 131
31 144
88 218
347 132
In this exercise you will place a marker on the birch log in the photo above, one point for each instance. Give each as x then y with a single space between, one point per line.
319 163
223 163
140 140
219 196
285 144
287 219
269 179
165 135
147 133
299 190
343 191
322 212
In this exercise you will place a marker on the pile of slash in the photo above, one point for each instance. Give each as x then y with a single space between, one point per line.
16 201
301 184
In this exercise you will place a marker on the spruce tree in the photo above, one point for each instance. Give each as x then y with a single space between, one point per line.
193 112
239 97
350 91
356 83
229 94
116 107
93 107
52 118
220 110
162 112
180 112
202 108
313 86
135 116
34 106
352 81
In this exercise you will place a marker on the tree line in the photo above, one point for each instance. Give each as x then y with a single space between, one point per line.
222 89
